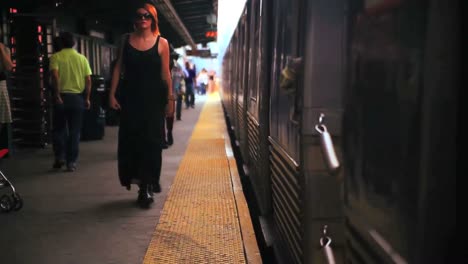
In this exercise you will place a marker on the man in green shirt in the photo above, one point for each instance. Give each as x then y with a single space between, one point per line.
71 80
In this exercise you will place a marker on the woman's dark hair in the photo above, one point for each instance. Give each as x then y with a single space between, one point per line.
68 40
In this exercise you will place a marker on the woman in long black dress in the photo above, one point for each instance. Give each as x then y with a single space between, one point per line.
144 64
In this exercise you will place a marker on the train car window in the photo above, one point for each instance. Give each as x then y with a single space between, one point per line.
255 57
285 43
242 41
382 131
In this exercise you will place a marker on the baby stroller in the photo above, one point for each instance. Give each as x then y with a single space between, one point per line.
14 201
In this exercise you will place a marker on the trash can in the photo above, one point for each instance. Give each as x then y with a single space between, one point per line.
94 119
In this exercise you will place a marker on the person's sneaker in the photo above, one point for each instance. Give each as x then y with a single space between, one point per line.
145 196
58 164
71 167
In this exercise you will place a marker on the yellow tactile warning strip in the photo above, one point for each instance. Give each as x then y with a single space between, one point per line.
200 220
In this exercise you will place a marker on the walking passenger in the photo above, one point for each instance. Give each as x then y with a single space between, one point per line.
177 77
202 80
168 122
145 92
71 76
189 86
212 83
6 65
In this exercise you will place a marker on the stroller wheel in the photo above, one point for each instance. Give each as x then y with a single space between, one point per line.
18 201
5 203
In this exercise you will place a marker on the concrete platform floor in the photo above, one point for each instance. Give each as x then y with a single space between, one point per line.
84 217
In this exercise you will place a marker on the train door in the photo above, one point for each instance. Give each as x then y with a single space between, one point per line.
226 87
400 117
233 79
236 90
284 132
258 121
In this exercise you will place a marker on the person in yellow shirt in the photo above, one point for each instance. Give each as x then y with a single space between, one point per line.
71 80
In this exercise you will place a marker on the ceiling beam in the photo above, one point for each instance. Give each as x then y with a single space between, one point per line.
173 18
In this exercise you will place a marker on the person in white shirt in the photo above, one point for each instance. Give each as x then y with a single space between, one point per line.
177 78
202 79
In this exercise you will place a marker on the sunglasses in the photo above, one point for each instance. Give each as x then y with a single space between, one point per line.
145 16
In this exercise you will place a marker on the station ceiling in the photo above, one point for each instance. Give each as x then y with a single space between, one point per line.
118 14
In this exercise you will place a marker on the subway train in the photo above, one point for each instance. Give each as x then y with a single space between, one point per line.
344 115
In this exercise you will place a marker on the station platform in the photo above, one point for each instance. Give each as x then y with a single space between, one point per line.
201 215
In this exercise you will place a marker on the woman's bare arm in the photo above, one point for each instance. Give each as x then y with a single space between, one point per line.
165 72
5 57
116 77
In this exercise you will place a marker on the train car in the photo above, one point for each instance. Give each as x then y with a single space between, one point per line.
344 114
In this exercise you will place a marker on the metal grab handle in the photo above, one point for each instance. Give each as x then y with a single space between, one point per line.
325 242
327 146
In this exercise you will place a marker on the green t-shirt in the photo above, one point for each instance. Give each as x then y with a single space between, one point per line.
72 68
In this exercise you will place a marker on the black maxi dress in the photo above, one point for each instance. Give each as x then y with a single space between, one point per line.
143 98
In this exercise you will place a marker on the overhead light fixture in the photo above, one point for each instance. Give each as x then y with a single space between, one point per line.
211 19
